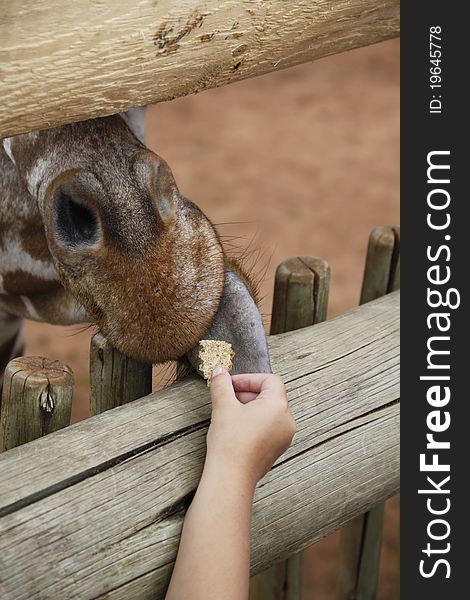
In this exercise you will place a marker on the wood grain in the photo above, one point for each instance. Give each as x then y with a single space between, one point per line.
67 61
361 539
37 400
96 509
382 266
115 379
301 290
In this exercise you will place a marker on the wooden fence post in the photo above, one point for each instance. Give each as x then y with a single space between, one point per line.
361 539
115 379
37 400
300 299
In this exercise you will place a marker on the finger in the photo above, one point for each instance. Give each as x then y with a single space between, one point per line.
245 397
265 383
249 382
273 386
221 387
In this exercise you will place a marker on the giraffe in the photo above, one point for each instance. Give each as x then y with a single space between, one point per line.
93 229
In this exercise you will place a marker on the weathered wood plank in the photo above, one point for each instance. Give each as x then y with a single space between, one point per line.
97 508
268 523
122 532
68 61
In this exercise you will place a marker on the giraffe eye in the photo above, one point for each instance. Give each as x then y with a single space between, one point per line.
76 224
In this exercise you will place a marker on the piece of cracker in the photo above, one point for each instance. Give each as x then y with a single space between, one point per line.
212 353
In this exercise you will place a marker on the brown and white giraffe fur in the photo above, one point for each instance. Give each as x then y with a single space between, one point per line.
29 284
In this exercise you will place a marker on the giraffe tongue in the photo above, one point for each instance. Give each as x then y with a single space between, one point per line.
238 322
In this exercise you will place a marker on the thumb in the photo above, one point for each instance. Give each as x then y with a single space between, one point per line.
221 387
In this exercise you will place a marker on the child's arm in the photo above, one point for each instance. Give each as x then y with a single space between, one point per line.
251 426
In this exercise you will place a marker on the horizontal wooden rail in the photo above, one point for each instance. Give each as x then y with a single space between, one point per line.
95 510
68 61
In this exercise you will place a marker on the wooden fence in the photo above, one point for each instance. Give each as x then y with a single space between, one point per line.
95 509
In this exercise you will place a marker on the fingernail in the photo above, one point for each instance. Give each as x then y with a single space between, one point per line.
217 370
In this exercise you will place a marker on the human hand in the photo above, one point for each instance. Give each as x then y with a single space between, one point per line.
251 422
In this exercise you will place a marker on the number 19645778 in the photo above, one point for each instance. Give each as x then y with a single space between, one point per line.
435 53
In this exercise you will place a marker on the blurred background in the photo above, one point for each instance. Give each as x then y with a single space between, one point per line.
299 162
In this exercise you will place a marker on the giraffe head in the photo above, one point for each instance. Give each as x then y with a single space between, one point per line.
145 262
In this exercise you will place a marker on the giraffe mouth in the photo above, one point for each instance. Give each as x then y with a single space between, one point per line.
238 322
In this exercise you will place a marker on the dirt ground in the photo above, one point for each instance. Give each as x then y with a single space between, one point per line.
300 162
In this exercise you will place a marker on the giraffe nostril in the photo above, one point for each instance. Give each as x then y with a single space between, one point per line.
75 223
